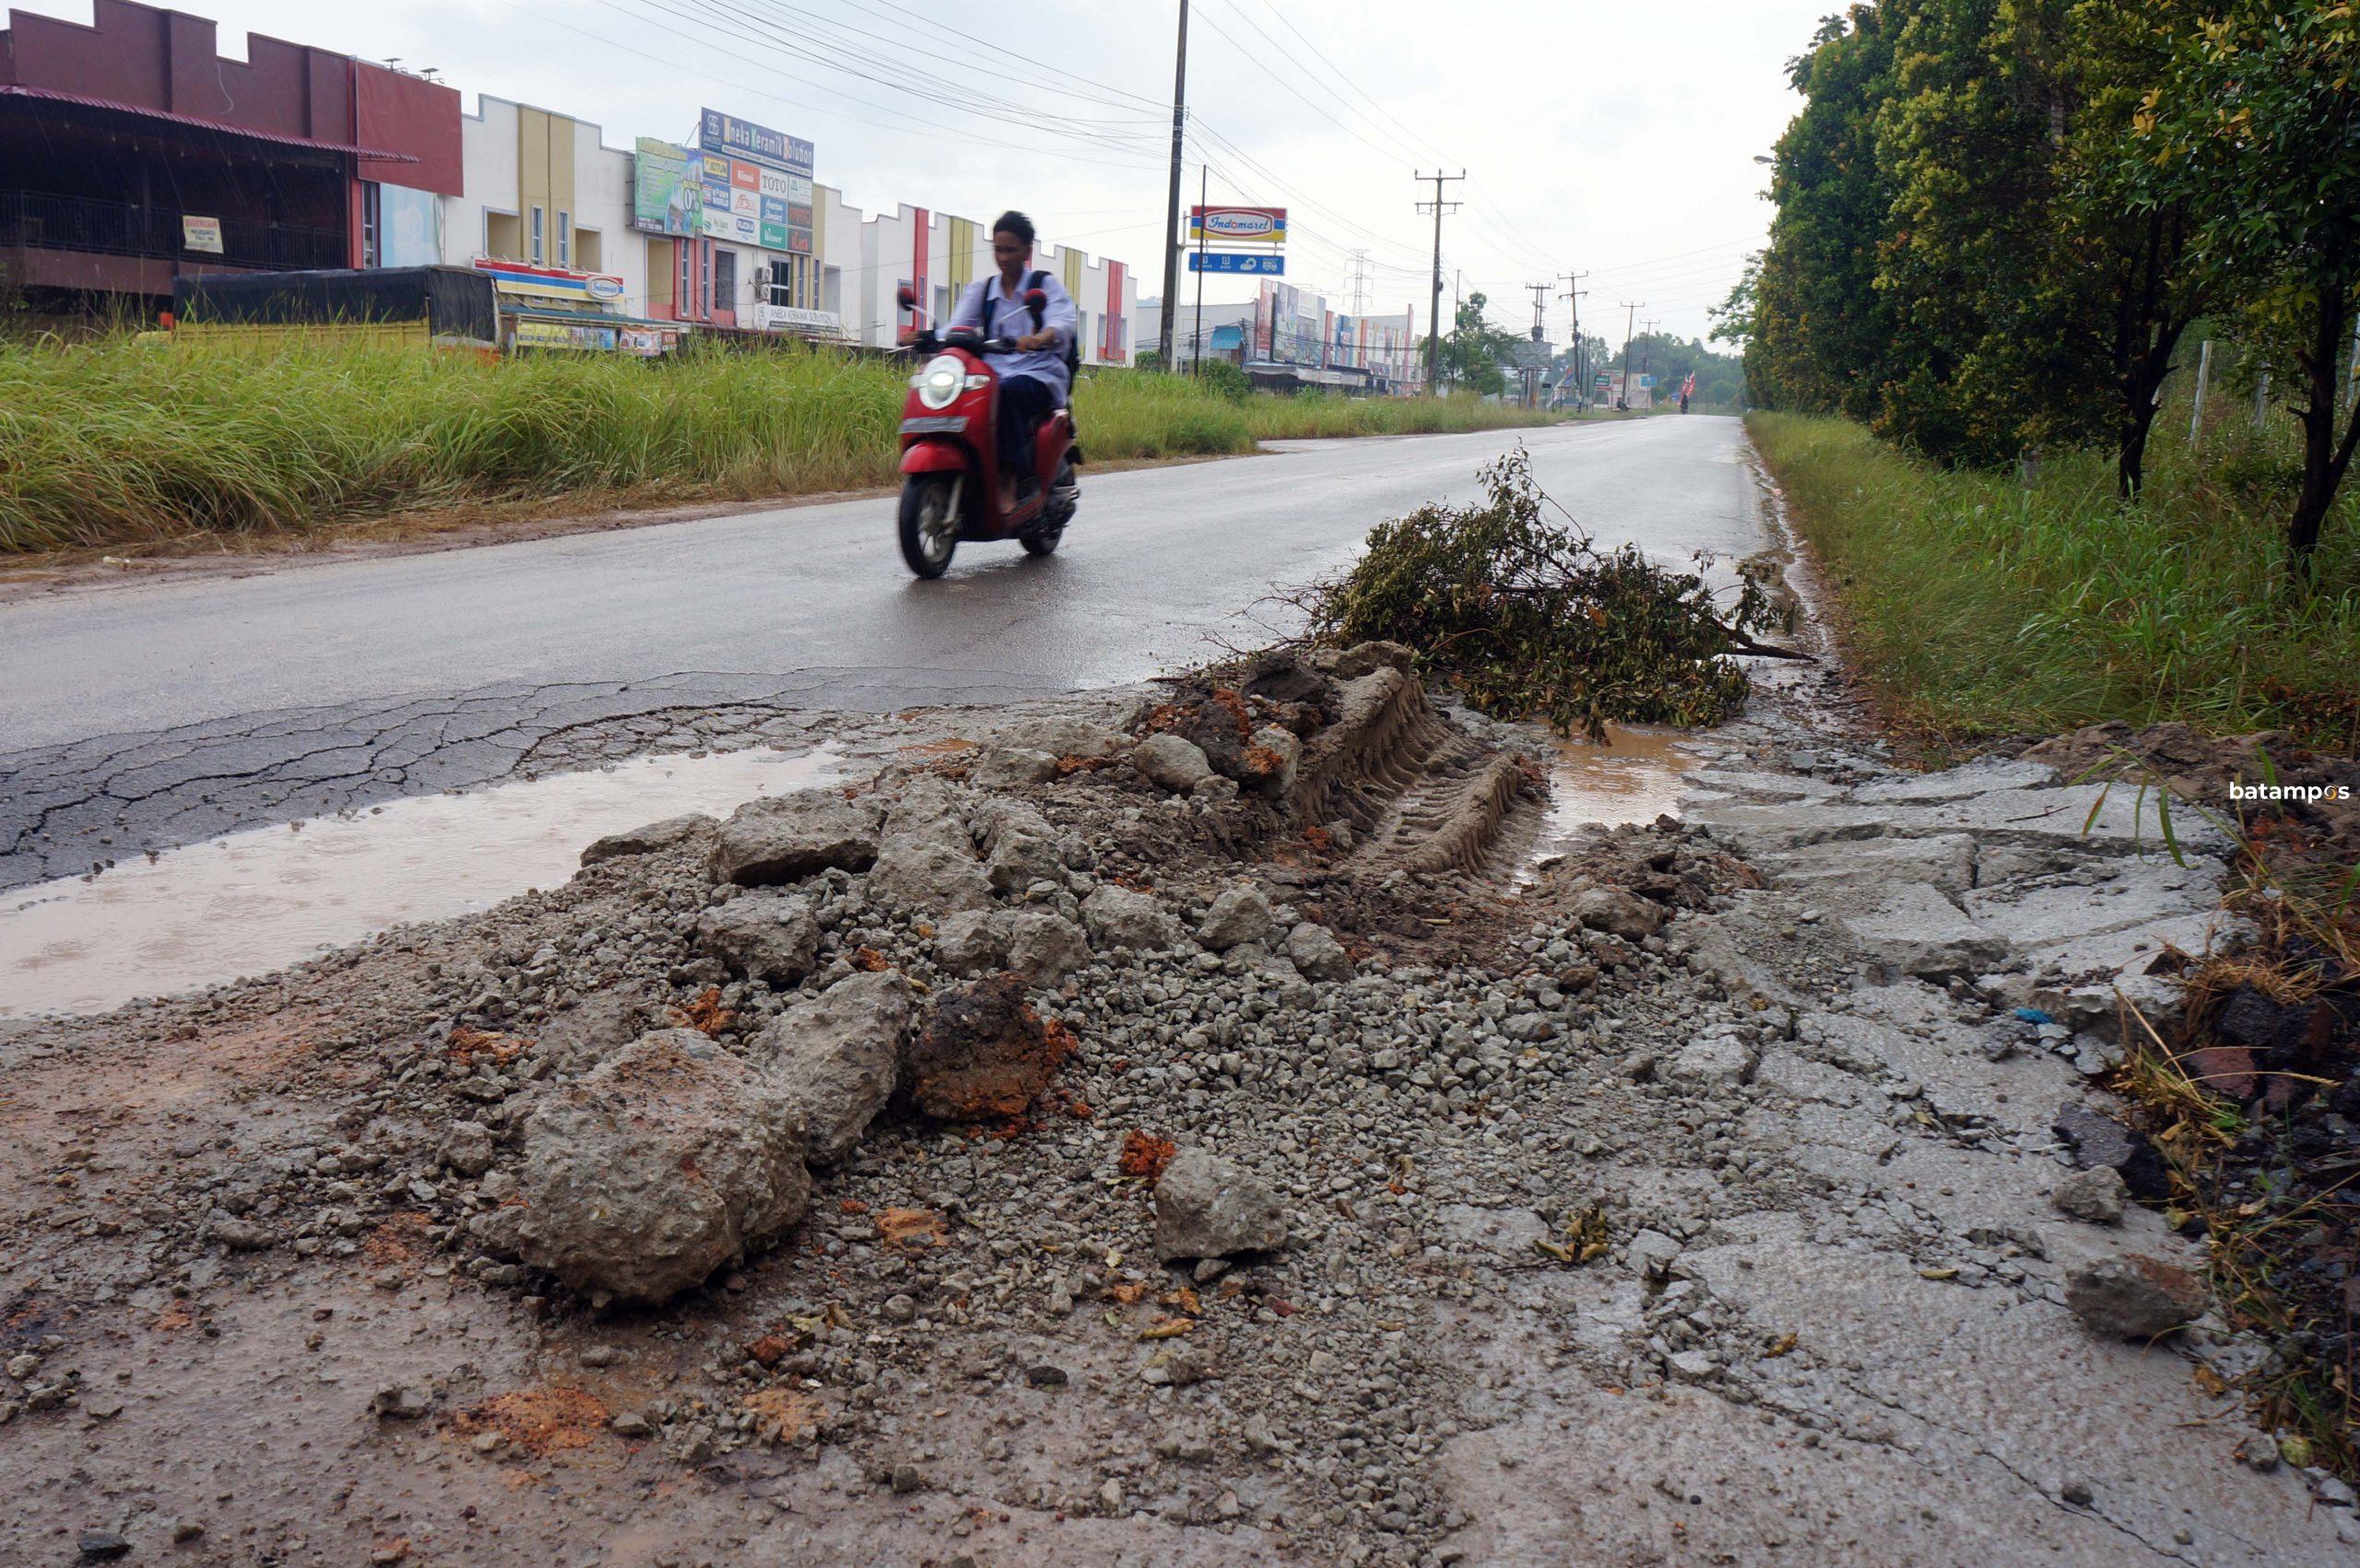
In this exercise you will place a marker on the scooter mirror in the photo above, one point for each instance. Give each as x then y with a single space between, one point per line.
907 296
1036 299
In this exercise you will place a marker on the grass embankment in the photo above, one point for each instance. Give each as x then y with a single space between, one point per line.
1976 606
116 443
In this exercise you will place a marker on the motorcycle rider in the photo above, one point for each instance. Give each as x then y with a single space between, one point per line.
1036 379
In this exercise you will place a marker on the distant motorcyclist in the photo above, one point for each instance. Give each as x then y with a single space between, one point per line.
1038 377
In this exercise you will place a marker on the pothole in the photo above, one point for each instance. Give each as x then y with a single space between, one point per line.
1634 776
259 901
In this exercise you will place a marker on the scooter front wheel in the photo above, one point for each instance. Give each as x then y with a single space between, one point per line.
930 528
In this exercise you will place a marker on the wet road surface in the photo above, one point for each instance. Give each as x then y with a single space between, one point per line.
150 715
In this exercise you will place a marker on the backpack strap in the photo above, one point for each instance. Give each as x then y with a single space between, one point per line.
986 286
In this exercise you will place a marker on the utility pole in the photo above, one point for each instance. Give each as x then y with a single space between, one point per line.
1533 371
1434 309
1171 211
1623 397
1581 374
1197 337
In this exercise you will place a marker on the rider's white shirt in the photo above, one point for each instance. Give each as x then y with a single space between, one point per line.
1010 318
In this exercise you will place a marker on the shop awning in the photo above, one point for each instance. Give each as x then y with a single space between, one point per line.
10 90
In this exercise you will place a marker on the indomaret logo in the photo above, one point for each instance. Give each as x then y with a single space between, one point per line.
2310 793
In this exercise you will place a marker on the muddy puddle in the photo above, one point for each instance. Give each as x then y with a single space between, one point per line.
1634 777
256 901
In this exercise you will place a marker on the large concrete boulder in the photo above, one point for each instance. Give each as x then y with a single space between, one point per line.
784 838
972 941
838 1057
661 1164
1118 917
1205 1207
772 937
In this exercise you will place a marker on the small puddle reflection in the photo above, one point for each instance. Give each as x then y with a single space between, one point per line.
1634 777
259 901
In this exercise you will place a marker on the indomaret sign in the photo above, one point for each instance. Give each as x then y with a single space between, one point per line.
1237 225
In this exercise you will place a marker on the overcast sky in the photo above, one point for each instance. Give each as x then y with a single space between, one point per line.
1613 138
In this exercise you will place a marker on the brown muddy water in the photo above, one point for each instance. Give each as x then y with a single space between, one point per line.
256 901
1634 776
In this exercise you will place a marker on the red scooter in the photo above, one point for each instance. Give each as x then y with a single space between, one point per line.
951 486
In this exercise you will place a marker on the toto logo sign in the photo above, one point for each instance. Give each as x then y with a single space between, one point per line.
1266 224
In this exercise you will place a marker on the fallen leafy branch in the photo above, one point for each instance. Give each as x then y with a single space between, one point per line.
1528 618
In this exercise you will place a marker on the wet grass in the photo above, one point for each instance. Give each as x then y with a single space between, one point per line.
123 442
1976 605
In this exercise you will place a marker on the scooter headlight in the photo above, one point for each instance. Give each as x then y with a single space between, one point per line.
941 383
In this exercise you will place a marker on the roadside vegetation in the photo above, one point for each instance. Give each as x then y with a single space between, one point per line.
1977 605
121 444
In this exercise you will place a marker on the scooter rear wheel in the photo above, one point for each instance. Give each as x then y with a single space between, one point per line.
1044 539
929 530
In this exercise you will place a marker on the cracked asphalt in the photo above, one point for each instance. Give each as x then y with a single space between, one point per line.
147 716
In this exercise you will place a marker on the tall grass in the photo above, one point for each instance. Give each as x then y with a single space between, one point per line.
1977 606
119 441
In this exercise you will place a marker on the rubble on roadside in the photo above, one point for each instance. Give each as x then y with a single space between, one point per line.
1211 1164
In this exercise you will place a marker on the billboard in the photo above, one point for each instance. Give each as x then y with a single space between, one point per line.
666 189
1237 225
735 138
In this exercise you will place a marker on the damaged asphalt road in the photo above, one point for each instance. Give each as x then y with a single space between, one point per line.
1700 1198
141 716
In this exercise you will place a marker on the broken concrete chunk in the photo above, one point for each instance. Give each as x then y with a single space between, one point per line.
1005 767
837 1058
784 838
1118 917
1172 762
1045 948
972 941
2096 1195
1205 1207
1062 737
928 866
1239 914
2133 1297
1651 1253
772 937
653 836
1618 914
1271 760
1978 777
1718 1059
1315 953
1918 931
665 1161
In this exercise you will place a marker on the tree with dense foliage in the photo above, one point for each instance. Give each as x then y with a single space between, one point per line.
2253 133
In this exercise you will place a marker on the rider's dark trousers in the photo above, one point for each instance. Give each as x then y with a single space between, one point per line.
1024 402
